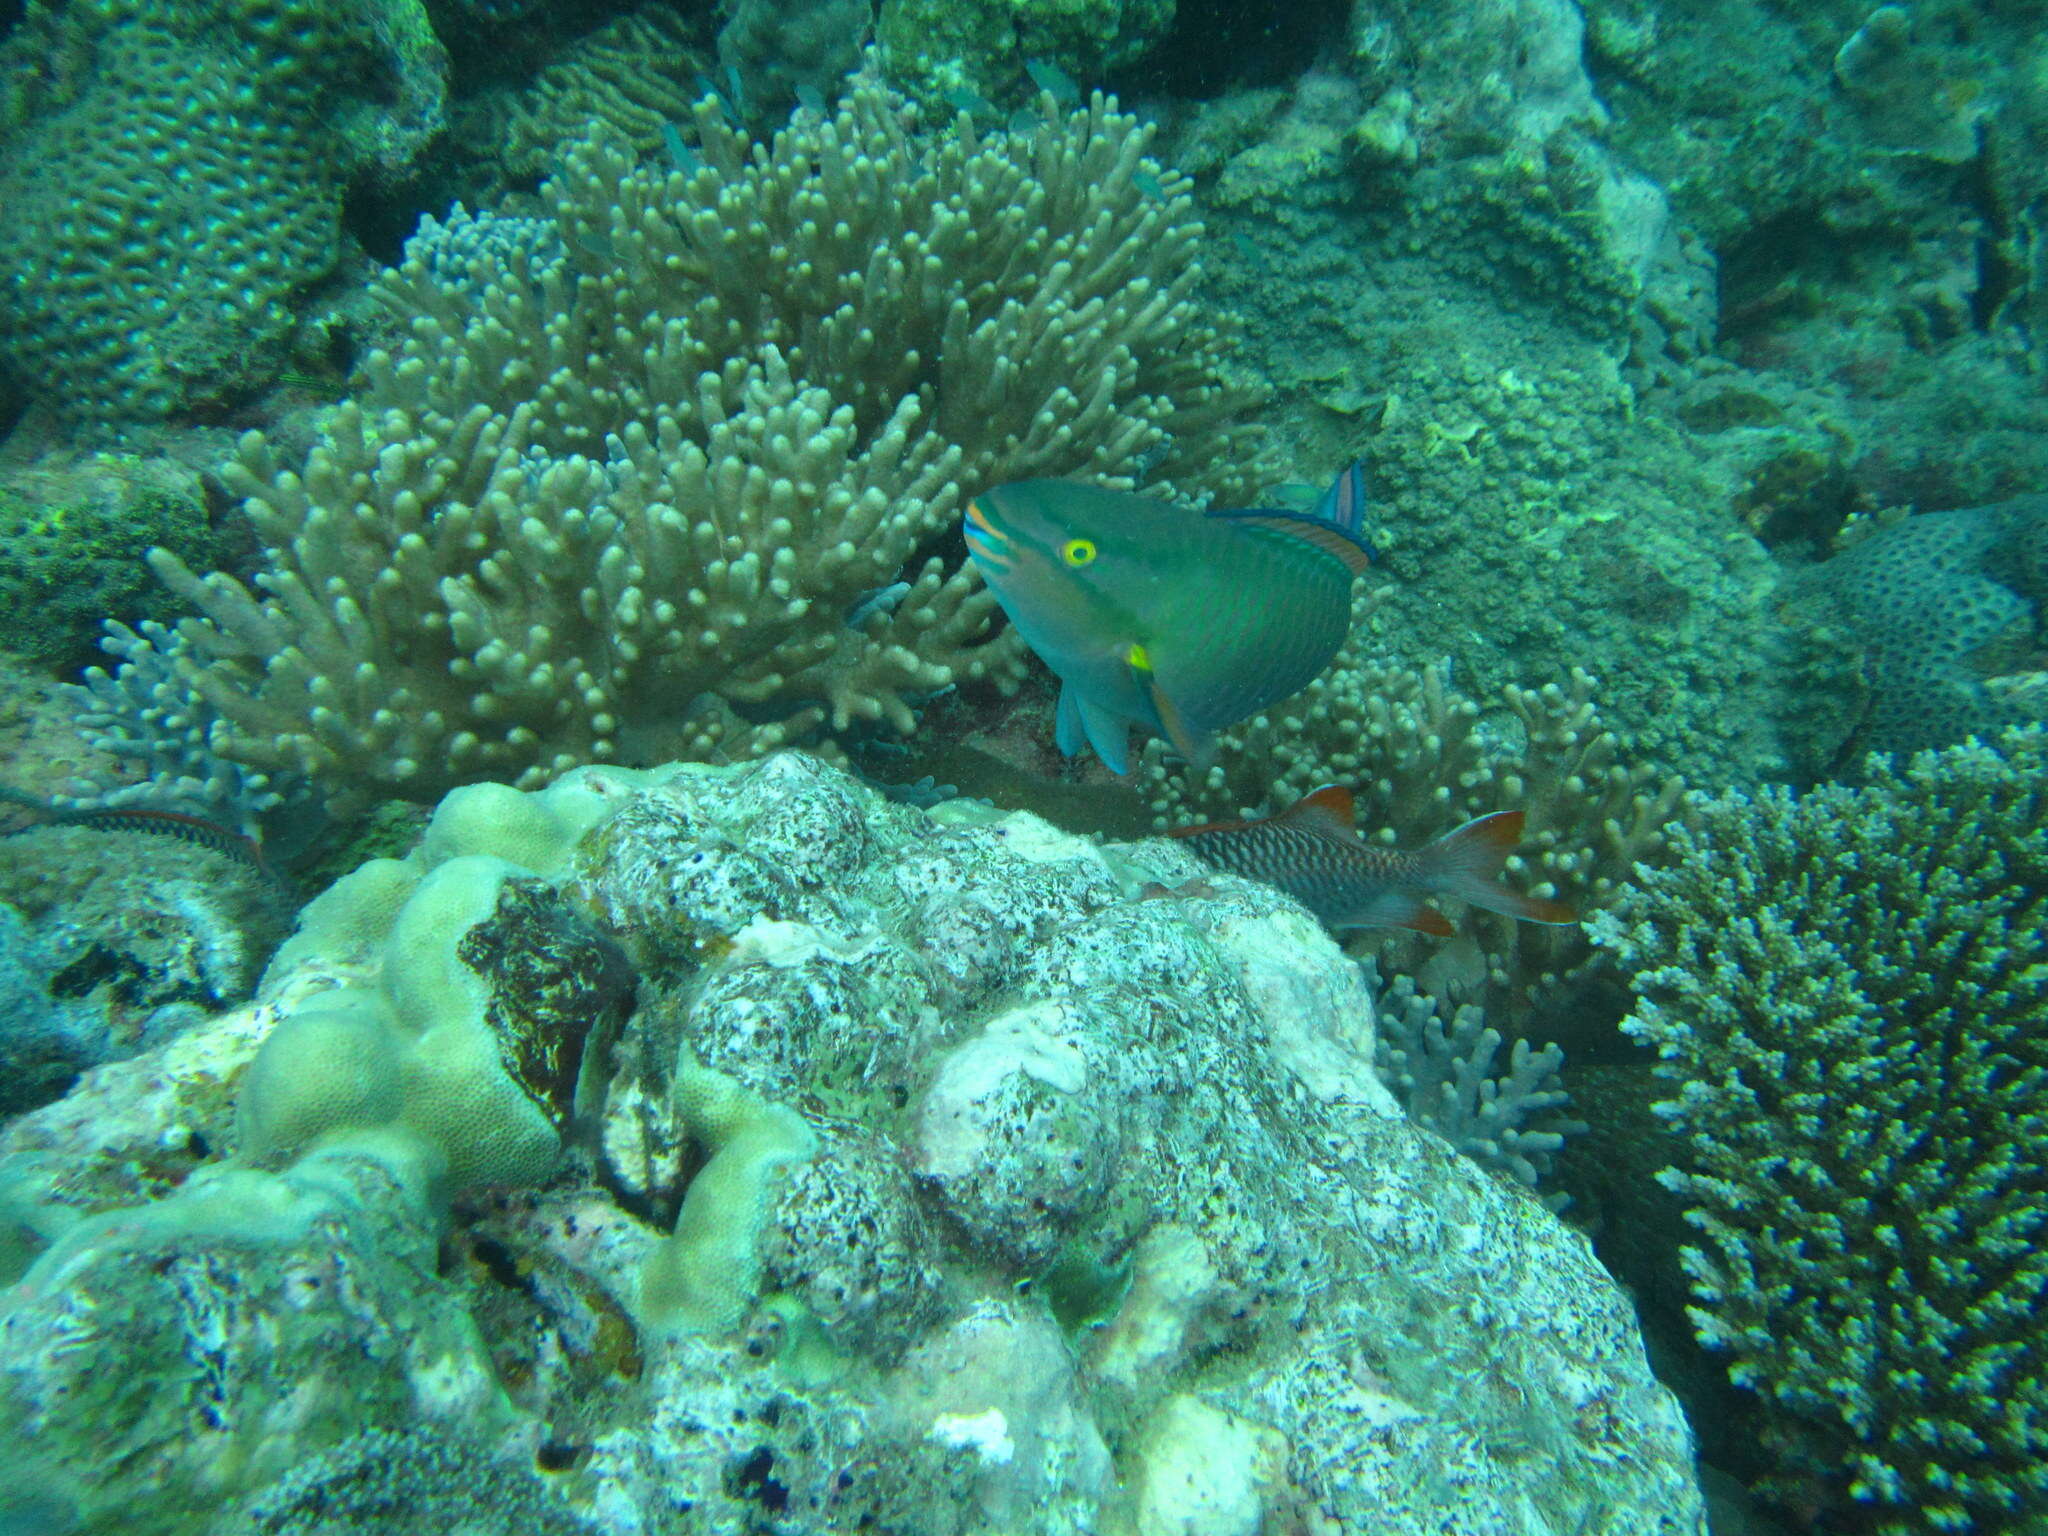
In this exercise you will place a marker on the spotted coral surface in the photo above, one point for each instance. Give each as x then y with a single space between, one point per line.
945 1178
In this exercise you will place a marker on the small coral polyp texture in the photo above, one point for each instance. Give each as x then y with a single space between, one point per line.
172 177
827 1165
1847 997
631 485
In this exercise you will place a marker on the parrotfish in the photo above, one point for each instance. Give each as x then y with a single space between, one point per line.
1180 623
1313 852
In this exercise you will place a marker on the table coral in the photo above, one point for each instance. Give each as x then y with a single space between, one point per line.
1846 996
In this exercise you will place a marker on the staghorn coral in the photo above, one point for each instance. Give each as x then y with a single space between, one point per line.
1847 1000
143 715
1422 758
619 499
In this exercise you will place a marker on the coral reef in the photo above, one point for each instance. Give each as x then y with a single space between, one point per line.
957 50
113 942
1845 994
629 78
625 496
776 53
72 538
173 177
1870 178
1466 288
1012 1198
1938 606
1421 758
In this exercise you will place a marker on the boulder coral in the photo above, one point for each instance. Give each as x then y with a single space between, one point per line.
944 1176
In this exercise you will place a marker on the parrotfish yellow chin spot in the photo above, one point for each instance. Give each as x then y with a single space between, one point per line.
1138 657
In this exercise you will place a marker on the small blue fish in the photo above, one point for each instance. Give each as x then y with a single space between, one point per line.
1173 621
1053 80
680 155
960 99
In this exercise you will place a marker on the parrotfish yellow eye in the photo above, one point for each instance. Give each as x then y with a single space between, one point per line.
1077 552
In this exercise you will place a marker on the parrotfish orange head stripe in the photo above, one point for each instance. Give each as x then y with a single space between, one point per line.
1176 622
1313 852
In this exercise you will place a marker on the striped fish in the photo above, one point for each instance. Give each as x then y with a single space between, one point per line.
1158 618
1313 852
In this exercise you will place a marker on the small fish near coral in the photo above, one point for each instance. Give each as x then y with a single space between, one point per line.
1177 622
1313 852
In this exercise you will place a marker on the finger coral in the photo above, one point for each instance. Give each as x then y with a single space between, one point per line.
624 489
1846 996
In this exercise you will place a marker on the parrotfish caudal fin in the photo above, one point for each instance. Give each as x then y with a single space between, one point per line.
1466 863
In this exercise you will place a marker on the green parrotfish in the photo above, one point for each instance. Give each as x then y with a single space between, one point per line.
1312 852
1179 623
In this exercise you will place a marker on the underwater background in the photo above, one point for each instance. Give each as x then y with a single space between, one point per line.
572 958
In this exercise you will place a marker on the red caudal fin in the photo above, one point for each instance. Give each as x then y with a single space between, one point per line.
1466 863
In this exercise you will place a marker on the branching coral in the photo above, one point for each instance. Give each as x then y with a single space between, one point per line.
1846 995
1422 758
1439 1062
616 495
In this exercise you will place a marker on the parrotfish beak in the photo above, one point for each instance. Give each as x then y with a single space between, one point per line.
985 542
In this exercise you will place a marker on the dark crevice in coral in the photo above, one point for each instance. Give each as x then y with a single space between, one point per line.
1222 45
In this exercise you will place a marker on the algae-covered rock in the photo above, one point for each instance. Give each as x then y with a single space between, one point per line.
946 1177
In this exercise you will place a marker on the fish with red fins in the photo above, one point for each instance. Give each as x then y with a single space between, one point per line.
1313 852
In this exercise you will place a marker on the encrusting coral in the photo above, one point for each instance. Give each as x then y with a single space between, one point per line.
628 487
1847 999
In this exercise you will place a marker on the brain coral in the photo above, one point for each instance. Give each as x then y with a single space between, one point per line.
1011 1199
1846 995
172 175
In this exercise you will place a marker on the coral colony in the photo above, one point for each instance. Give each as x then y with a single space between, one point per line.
1082 768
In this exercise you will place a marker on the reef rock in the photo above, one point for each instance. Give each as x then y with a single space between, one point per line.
803 1162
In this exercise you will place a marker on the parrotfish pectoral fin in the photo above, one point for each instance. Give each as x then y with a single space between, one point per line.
1068 733
1199 751
1080 723
1467 862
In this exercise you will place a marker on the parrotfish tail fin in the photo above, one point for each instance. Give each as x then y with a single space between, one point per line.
1466 863
1344 505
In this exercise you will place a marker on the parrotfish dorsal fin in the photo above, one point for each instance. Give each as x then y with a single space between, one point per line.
1327 812
1336 526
